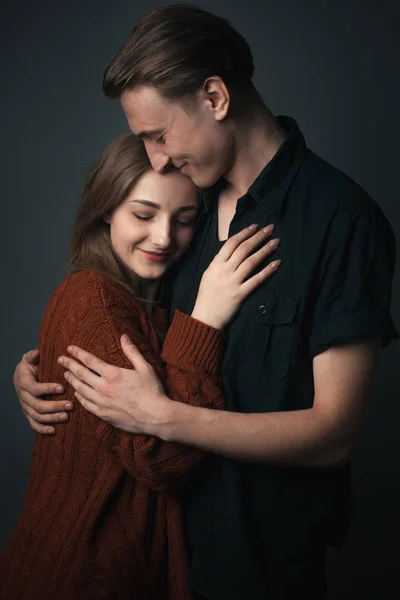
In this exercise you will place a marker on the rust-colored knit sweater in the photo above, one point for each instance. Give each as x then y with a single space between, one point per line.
102 518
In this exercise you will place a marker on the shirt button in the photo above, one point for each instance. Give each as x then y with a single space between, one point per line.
262 309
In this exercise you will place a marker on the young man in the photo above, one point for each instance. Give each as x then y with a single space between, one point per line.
301 356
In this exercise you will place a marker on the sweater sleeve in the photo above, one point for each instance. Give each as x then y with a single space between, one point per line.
191 353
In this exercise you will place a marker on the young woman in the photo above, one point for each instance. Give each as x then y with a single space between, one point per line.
101 518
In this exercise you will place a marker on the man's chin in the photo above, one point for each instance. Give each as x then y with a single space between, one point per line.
203 180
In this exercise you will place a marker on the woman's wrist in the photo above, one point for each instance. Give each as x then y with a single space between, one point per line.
206 319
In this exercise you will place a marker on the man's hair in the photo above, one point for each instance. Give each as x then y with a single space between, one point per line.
175 49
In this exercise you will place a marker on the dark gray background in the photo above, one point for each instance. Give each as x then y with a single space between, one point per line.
332 64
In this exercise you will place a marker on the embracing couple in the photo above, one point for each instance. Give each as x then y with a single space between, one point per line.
219 330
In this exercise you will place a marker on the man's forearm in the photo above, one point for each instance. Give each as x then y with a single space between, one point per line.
304 438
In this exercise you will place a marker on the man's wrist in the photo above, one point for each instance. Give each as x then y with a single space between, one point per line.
172 420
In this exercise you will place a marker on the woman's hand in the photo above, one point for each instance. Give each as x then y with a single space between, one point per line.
227 282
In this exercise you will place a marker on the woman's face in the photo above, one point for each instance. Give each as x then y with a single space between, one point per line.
154 225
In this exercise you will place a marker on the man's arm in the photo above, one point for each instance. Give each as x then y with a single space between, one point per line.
321 436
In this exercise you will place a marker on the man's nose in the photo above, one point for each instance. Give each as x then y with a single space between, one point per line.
159 160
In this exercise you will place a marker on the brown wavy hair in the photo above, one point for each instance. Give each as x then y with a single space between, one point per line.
111 179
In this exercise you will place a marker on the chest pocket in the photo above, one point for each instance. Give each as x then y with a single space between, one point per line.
271 334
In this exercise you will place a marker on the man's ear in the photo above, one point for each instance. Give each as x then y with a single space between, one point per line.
218 96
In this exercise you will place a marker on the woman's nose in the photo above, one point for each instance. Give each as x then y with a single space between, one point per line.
162 234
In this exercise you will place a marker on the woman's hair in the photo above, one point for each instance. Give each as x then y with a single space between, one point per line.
175 49
112 177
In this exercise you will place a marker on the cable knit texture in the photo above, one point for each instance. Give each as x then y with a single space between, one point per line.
102 518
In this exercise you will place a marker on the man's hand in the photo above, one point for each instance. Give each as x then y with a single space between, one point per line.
40 413
131 400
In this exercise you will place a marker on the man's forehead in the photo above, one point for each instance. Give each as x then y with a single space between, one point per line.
145 104
145 118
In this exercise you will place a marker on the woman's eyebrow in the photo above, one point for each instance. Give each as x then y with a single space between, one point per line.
155 205
146 203
184 208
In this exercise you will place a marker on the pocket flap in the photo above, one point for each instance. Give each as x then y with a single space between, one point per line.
279 306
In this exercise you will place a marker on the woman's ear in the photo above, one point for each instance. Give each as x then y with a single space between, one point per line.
107 218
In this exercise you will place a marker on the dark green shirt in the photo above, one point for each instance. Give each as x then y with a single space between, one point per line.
254 531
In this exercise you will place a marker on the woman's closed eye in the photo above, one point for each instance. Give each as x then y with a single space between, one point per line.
143 217
186 223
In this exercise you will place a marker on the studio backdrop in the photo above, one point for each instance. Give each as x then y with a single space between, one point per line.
331 64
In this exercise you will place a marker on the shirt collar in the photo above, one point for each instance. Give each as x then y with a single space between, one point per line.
271 185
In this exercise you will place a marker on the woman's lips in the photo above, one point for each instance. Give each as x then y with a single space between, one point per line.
156 256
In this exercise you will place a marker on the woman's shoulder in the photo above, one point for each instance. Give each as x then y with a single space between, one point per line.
86 290
92 284
91 305
92 311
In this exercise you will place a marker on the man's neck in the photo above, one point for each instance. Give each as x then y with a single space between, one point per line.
258 140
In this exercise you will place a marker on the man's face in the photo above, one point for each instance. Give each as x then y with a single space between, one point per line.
195 140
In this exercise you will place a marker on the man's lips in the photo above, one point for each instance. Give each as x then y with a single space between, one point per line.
181 167
155 256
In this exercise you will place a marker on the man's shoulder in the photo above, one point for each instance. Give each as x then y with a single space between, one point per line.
331 199
332 188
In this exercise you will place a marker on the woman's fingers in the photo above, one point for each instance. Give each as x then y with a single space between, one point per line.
247 247
253 261
254 282
233 242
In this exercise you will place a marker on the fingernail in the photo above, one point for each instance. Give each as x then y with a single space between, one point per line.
66 375
253 226
275 264
68 406
60 360
50 430
59 389
63 417
274 243
269 229
125 338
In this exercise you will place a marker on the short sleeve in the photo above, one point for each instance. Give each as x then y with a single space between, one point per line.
354 289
